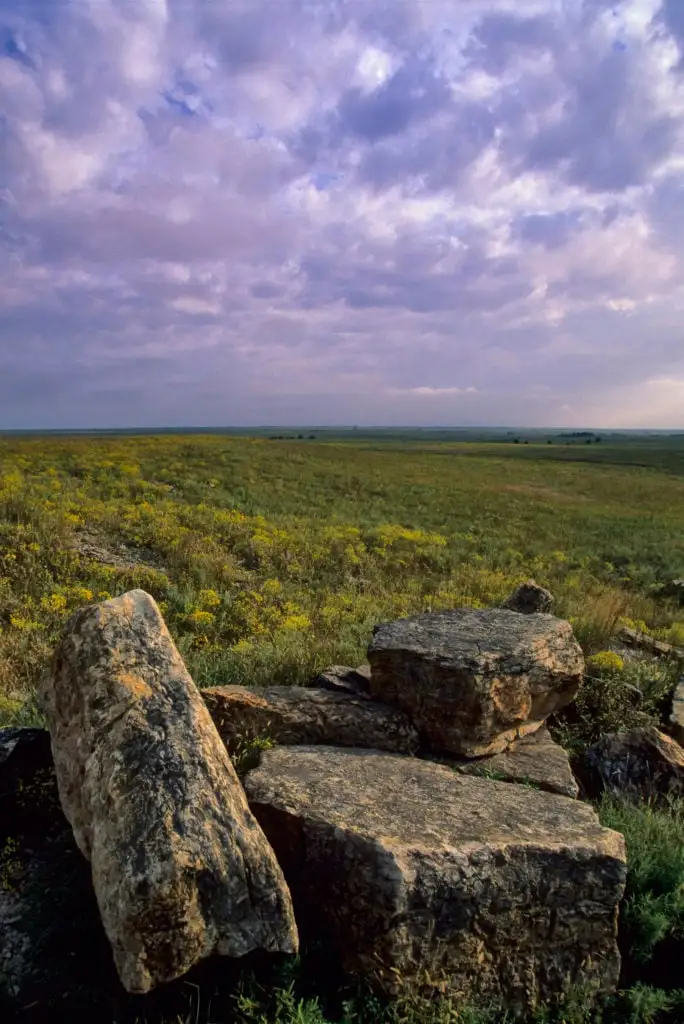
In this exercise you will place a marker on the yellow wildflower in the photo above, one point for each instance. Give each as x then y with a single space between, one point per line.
605 663
201 618
293 623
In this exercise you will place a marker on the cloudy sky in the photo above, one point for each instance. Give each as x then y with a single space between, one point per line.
459 212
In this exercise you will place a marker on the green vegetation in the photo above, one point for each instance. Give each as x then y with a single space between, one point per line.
271 559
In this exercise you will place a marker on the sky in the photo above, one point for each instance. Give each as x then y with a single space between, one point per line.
372 212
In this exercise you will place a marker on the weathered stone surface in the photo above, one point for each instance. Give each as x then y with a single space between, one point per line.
306 715
180 867
507 893
639 763
535 760
677 713
529 598
345 679
473 682
644 642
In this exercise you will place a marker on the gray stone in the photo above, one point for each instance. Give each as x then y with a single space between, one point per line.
307 715
179 866
535 760
644 642
471 681
342 678
410 871
641 763
528 598
677 713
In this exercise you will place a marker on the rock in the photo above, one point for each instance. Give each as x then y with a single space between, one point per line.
644 642
305 715
471 681
502 893
125 558
179 866
640 763
528 598
341 678
52 942
677 713
535 760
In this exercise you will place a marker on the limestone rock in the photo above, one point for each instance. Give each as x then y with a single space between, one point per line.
642 641
677 714
307 715
536 760
180 867
528 598
471 681
504 893
345 679
639 763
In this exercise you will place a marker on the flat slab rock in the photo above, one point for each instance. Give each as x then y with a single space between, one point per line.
507 893
180 867
535 760
475 681
307 715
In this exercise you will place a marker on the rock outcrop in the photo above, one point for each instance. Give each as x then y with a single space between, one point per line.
345 679
528 598
180 868
643 642
307 715
535 760
473 682
641 763
502 893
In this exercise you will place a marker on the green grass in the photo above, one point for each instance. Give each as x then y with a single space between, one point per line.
272 559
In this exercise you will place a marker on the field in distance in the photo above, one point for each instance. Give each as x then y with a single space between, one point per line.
276 553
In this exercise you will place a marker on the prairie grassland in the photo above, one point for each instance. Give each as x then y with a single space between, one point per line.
270 558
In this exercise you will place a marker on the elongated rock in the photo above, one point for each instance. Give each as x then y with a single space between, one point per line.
473 682
412 873
307 715
180 867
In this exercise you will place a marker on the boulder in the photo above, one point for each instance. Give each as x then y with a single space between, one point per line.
677 713
641 763
529 598
410 871
307 715
345 679
535 760
475 681
179 866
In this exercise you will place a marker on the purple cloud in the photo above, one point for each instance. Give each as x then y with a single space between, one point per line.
341 211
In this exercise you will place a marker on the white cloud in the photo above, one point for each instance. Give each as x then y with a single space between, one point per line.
342 205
